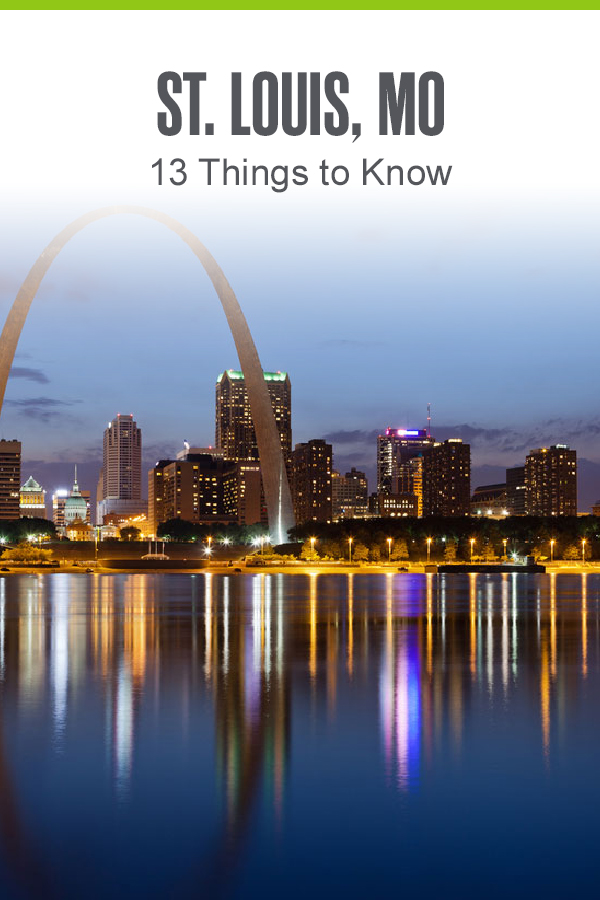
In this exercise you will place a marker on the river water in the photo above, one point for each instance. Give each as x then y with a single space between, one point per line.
299 736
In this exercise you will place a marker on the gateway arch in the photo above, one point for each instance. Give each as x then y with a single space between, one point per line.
277 491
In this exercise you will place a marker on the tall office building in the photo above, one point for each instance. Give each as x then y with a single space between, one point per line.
234 430
10 479
447 479
551 481
395 448
32 503
349 495
200 487
121 478
249 505
311 482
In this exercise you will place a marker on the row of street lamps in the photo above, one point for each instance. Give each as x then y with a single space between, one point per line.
260 541
472 542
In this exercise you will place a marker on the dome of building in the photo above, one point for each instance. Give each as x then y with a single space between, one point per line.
75 505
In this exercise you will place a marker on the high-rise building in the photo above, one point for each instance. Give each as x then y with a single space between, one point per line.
515 491
200 488
234 430
551 481
447 479
349 495
32 504
10 479
394 448
121 477
311 482
249 498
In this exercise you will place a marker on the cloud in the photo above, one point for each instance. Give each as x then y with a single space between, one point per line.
352 437
41 408
501 442
30 374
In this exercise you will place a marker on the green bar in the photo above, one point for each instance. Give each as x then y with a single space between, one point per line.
331 6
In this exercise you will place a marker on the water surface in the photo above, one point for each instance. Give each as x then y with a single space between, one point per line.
292 736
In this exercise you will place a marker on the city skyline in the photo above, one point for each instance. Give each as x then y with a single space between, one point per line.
406 442
485 355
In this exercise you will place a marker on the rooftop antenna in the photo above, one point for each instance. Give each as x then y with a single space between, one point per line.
429 420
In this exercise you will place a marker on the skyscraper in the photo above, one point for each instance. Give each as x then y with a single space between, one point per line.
447 479
551 481
10 479
199 487
311 482
121 476
234 429
395 448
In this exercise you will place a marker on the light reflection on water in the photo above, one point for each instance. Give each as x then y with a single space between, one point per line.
268 734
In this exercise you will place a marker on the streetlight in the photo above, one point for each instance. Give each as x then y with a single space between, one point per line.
312 547
472 541
429 549
350 550
552 543
389 543
583 542
504 543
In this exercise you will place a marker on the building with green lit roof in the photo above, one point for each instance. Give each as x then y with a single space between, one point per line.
234 430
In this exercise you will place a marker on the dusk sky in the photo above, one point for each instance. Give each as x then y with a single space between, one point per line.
492 319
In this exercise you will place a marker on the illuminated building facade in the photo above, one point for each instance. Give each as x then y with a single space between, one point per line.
76 507
551 481
447 479
394 448
200 488
410 480
349 495
58 507
32 503
489 501
249 497
390 506
515 491
235 434
311 482
10 479
121 479
67 506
